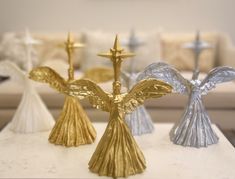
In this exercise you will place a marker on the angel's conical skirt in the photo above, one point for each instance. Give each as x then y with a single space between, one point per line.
195 128
73 128
31 115
139 121
117 154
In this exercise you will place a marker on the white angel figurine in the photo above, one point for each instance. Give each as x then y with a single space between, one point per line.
31 115
194 128
139 121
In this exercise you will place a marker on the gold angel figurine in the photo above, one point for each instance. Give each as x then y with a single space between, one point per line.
117 154
73 127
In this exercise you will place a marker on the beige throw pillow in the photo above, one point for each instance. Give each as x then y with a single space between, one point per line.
183 59
50 50
98 41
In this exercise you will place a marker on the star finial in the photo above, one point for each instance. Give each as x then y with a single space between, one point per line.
197 45
117 52
70 45
28 40
133 42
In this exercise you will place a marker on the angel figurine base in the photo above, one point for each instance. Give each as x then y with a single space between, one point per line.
194 128
139 121
71 125
31 115
109 158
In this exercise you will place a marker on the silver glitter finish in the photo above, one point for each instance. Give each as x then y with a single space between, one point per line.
139 121
194 128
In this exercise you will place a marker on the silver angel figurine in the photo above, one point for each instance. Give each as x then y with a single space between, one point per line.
139 121
194 128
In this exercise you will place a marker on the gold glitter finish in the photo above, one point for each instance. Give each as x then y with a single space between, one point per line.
117 154
73 128
78 129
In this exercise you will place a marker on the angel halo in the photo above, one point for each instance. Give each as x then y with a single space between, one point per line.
194 129
31 115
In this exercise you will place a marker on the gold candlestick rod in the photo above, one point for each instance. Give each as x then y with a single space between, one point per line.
70 46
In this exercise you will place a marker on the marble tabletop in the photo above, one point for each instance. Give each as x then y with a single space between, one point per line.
32 156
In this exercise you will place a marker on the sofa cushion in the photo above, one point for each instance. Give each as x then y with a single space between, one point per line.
222 97
183 59
51 50
99 41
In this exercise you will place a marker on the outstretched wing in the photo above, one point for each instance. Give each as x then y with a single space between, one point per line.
48 75
216 76
10 69
88 89
145 89
168 74
99 74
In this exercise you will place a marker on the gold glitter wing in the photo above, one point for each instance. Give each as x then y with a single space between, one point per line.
48 75
99 74
145 89
88 89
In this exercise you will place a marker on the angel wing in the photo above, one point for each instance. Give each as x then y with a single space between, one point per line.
170 75
10 69
145 89
48 75
88 89
99 74
216 76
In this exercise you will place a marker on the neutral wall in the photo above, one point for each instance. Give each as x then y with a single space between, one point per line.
118 15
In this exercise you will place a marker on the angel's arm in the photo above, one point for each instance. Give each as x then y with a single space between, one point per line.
216 76
168 74
48 75
145 89
88 89
10 69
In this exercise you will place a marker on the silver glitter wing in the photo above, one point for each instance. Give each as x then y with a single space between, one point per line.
216 76
166 73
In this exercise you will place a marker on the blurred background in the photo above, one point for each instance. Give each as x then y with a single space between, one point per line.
121 15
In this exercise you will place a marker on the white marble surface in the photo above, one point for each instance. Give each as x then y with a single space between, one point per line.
24 156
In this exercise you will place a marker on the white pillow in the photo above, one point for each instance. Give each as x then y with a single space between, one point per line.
99 41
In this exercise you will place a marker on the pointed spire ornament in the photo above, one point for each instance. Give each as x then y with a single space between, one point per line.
117 154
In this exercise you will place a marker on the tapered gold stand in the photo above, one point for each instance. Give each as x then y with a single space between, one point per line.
73 127
117 154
